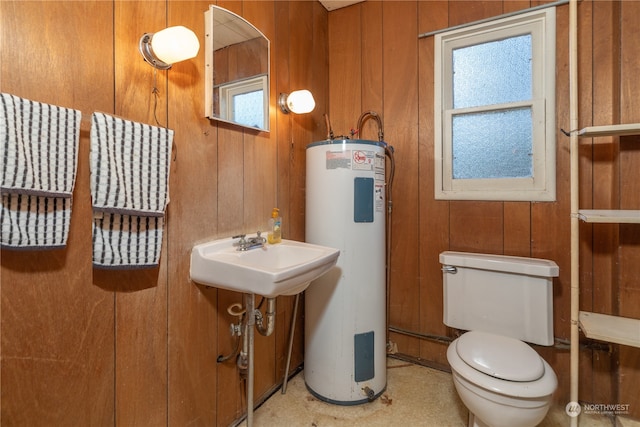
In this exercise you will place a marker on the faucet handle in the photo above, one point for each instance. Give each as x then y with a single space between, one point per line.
242 241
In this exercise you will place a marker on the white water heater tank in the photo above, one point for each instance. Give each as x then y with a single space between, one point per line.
345 336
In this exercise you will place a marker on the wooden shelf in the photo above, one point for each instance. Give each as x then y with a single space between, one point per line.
614 329
610 130
610 216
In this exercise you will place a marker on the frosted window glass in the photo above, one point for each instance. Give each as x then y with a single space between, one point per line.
495 144
248 109
492 73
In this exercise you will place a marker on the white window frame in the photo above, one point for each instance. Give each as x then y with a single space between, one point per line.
541 24
230 90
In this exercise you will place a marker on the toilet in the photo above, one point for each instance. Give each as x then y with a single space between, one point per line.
503 302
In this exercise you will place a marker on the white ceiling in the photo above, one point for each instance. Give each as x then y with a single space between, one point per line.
337 4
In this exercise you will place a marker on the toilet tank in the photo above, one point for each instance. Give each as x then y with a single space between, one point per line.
505 295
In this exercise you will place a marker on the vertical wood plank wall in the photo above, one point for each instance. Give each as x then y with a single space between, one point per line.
80 346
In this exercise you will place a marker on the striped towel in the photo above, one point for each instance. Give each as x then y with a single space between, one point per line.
35 222
125 241
129 190
130 166
39 152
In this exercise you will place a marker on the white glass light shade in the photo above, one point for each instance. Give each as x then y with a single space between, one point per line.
300 102
175 44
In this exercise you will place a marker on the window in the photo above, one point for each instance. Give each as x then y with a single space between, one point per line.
243 102
495 110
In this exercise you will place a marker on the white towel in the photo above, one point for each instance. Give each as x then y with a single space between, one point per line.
39 152
129 166
129 190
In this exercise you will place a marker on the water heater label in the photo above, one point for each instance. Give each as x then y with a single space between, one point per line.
379 197
338 159
363 160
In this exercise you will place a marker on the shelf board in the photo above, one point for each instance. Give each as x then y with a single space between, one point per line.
609 216
614 329
610 130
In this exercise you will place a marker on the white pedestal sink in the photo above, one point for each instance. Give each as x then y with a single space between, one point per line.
285 268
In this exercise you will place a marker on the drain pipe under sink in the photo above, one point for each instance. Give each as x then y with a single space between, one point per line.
255 318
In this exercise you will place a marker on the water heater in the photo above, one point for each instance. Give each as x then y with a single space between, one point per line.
345 337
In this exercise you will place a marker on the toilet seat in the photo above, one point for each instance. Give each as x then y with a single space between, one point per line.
499 356
543 386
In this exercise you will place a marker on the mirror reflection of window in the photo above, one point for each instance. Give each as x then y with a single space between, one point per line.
247 109
244 102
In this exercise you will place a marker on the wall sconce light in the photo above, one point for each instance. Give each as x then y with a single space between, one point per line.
166 47
298 102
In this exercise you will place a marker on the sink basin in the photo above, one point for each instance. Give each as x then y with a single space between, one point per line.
284 268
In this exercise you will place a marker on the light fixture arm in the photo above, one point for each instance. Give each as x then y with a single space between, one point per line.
147 52
282 102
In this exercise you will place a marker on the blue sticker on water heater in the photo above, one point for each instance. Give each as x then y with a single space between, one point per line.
364 361
363 200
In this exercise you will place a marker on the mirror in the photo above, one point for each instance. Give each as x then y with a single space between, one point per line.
237 70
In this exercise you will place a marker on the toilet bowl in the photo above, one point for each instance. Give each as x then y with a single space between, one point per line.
502 301
502 381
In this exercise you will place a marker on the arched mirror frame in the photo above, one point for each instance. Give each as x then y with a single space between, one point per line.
237 66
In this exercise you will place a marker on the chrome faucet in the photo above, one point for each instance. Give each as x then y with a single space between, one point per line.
245 244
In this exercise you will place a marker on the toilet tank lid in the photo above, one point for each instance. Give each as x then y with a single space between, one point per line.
504 263
499 356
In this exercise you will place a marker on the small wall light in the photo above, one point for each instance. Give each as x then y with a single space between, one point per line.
298 102
166 47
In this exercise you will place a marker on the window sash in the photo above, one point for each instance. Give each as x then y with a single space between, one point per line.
541 187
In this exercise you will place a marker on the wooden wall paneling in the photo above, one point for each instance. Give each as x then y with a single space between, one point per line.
517 228
56 331
605 183
434 215
371 69
629 297
192 309
400 80
515 5
280 121
141 295
477 226
463 11
305 128
319 79
345 68
629 286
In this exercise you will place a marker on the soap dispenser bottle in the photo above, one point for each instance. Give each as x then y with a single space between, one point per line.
275 227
